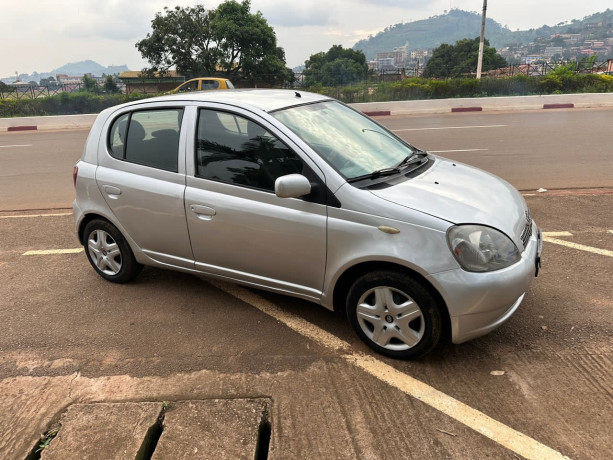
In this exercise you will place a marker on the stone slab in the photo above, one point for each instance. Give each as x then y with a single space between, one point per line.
211 429
103 431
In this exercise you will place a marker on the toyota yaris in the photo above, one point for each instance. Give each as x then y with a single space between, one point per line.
299 194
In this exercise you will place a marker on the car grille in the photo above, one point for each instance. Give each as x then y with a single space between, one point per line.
527 231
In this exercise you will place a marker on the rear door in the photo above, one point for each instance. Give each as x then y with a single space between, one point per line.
238 227
141 175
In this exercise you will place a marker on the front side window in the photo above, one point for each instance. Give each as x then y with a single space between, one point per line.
189 86
239 151
148 137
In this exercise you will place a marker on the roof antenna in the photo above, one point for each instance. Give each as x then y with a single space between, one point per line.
298 94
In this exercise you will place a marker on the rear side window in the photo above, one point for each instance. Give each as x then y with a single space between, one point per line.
149 138
209 84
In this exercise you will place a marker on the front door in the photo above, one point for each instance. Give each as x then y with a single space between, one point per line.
238 227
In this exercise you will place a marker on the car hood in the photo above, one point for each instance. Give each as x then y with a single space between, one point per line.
462 194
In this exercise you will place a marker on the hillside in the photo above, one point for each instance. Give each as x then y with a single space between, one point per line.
458 24
83 67
75 69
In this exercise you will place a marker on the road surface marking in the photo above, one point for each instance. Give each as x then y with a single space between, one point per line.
557 234
505 436
548 236
16 145
610 231
26 216
447 127
52 251
465 150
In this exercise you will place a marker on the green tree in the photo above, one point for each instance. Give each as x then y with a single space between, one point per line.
49 82
110 85
229 40
183 38
337 66
449 61
90 85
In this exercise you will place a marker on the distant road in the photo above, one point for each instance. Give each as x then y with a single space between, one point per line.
532 149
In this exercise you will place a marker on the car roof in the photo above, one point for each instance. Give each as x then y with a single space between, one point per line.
206 78
267 100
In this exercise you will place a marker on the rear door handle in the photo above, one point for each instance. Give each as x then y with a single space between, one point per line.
112 191
203 212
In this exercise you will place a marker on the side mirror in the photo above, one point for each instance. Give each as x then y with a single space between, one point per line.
292 186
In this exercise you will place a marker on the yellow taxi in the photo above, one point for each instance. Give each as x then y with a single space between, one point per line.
203 84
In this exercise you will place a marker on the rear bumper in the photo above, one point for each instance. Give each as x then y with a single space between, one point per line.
480 302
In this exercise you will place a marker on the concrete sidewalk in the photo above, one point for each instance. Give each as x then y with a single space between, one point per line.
431 106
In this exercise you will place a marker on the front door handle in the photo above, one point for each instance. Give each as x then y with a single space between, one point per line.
203 212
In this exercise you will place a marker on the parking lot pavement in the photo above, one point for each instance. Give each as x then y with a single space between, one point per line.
543 380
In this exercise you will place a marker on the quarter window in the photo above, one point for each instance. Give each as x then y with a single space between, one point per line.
118 135
149 138
236 150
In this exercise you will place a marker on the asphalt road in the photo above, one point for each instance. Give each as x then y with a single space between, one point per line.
68 336
552 149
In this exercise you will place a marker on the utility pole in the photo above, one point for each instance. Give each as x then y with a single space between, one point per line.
480 58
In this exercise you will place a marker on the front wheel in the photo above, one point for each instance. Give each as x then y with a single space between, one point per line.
394 314
109 253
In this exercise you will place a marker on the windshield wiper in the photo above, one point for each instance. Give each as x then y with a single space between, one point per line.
415 157
375 174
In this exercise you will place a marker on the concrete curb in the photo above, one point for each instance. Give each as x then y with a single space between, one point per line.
47 123
431 106
488 104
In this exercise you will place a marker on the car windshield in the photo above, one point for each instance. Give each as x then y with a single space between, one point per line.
351 142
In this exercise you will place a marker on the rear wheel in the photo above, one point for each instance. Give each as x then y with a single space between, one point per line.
394 314
109 253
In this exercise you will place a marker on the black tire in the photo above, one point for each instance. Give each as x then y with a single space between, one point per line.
109 252
408 328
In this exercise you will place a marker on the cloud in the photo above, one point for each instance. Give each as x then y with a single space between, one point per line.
299 14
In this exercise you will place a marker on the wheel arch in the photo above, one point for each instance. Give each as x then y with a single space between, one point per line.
86 220
344 282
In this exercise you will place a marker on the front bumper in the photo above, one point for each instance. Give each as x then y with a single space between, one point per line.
480 302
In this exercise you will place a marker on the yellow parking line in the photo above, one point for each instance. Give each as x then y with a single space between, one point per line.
504 435
556 234
52 251
26 216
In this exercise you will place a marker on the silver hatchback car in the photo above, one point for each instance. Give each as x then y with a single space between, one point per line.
299 194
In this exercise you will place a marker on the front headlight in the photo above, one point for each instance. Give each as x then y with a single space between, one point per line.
481 249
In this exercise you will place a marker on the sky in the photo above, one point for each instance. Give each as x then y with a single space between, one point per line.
50 33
